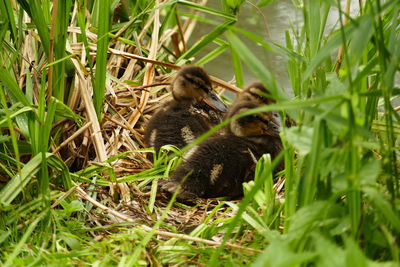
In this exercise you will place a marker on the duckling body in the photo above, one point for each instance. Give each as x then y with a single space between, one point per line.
194 109
219 165
179 123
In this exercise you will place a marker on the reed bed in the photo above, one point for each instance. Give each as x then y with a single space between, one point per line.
80 79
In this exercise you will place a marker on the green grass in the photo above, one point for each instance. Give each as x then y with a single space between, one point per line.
336 203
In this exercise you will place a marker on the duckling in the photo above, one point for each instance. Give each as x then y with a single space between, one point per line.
194 109
219 165
256 93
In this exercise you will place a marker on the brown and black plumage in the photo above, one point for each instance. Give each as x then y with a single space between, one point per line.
219 165
256 93
194 109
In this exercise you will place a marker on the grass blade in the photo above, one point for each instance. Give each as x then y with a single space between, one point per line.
256 66
101 55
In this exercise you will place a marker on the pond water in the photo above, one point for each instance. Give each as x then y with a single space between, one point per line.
269 22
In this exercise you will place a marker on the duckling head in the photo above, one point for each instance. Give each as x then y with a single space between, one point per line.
257 94
192 83
255 125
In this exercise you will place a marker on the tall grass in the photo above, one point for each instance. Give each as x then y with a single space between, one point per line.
335 204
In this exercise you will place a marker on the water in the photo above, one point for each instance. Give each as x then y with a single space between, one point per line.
269 22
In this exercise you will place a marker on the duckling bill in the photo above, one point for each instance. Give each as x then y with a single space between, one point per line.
219 165
194 109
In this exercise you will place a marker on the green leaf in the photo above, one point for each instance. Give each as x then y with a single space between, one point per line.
12 87
263 3
70 207
7 10
237 68
326 51
210 37
255 65
212 55
71 240
354 255
207 10
361 36
279 254
101 55
300 138
39 18
329 254
384 208
18 248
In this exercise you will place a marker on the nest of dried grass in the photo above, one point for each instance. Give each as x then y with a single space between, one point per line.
136 86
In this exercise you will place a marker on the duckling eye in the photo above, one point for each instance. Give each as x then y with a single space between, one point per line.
255 117
214 97
198 84
258 118
260 97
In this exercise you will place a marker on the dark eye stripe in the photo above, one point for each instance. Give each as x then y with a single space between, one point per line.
260 119
198 84
263 97
264 121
